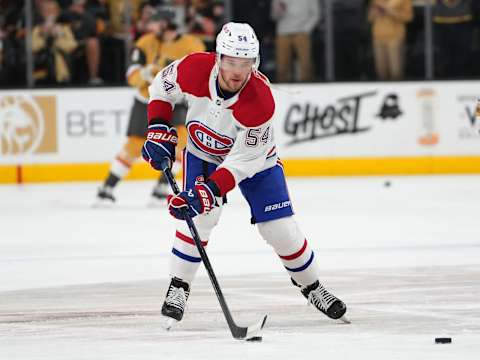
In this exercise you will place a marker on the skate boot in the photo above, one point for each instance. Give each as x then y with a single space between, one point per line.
174 305
324 301
105 196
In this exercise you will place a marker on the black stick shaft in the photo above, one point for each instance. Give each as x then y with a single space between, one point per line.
237 331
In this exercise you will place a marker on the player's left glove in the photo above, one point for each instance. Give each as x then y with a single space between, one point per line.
160 144
198 200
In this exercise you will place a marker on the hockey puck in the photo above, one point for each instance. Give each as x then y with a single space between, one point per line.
255 338
443 340
387 183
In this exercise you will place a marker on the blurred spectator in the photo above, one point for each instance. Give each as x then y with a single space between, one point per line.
453 34
141 25
111 22
351 39
152 52
415 42
179 9
12 44
84 28
118 10
257 14
4 45
389 18
3 36
204 19
295 23
52 42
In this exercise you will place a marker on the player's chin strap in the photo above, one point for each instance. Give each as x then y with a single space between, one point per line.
238 332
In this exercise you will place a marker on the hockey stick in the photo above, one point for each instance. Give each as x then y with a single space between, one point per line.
238 332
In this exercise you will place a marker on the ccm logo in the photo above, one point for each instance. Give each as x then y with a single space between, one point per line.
277 206
162 136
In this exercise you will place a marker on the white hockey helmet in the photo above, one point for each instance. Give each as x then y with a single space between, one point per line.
238 40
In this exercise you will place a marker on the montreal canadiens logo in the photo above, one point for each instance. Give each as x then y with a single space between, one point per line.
208 140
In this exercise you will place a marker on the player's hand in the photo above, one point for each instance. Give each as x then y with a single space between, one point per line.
161 142
198 200
148 72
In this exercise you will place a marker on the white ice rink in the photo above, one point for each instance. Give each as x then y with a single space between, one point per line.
83 283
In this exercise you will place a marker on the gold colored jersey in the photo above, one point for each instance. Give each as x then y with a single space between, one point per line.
150 55
180 47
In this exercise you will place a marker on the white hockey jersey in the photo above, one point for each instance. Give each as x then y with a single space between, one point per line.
236 133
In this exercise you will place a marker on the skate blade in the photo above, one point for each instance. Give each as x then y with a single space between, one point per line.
157 203
345 320
168 323
103 204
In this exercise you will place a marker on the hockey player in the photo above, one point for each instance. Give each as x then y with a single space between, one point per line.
230 143
153 51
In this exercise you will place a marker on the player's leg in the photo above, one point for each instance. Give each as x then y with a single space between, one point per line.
130 152
380 55
271 209
303 48
283 58
120 167
185 258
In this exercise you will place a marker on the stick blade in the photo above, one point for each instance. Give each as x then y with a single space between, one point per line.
242 333
256 328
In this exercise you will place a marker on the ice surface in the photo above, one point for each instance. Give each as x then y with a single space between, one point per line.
83 283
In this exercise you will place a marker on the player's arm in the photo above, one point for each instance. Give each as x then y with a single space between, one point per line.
161 136
164 93
139 73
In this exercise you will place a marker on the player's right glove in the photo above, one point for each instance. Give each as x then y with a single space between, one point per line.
195 201
160 144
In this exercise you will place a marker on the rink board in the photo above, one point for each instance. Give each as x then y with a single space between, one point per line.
320 129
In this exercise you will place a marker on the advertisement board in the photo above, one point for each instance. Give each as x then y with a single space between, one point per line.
320 129
378 120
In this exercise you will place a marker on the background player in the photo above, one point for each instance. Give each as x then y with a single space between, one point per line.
162 45
230 143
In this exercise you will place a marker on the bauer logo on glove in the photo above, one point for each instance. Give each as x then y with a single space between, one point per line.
158 135
195 201
161 142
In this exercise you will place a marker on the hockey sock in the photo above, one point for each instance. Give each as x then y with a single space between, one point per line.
112 180
118 169
162 180
185 258
291 246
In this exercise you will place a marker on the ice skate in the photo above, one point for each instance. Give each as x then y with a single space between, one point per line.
324 301
159 195
105 197
175 301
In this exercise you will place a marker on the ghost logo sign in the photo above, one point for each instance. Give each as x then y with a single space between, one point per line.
390 108
306 122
